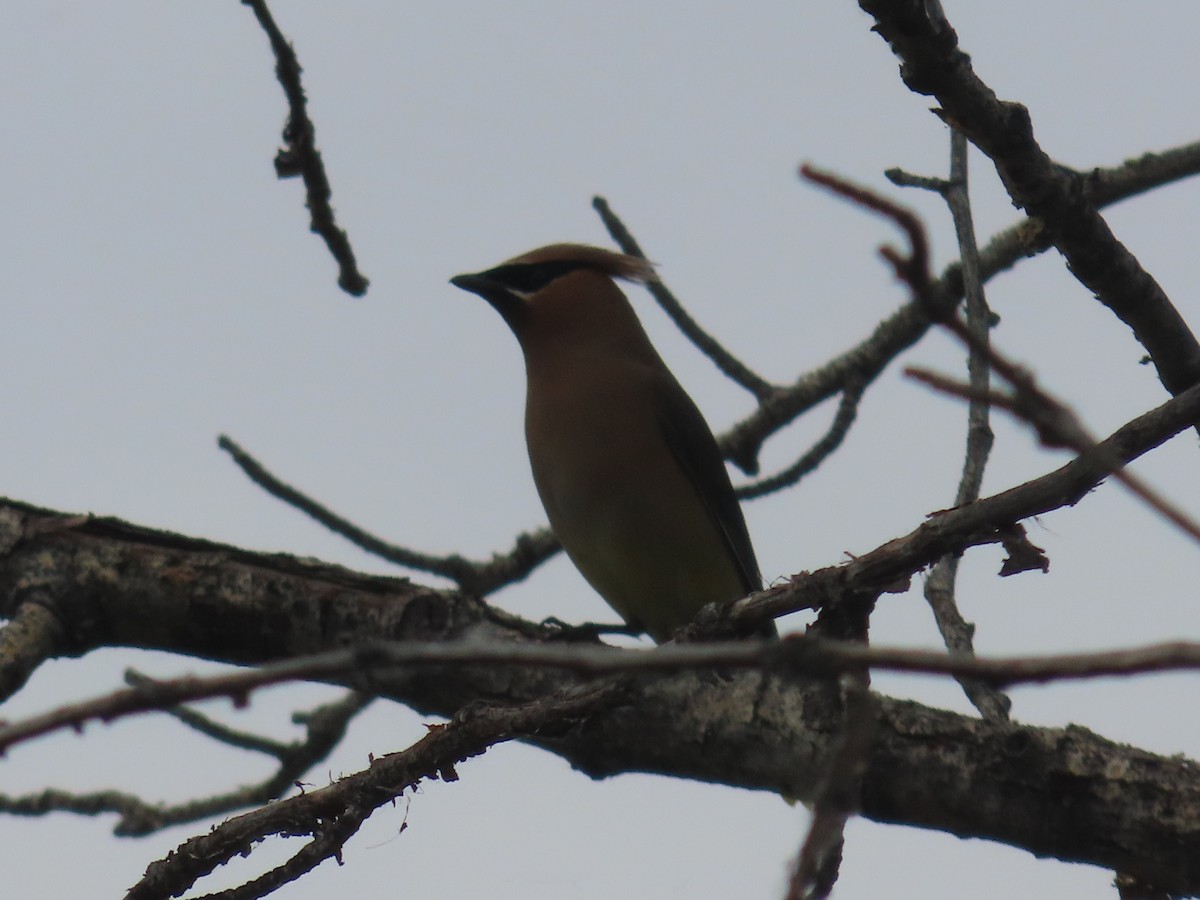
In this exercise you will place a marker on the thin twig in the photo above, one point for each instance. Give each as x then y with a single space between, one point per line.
987 520
733 368
217 731
331 815
301 157
809 657
843 419
1058 427
1055 423
904 178
906 326
836 798
956 632
325 727
474 577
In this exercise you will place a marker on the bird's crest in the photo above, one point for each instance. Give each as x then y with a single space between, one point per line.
615 265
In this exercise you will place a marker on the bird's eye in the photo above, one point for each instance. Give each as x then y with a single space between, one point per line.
529 278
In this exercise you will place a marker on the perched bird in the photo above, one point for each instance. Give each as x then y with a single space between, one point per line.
626 467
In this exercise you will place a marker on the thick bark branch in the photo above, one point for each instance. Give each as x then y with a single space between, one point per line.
1065 793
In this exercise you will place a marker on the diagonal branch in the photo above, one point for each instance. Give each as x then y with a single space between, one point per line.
332 815
326 726
808 657
843 419
733 367
301 156
895 334
984 521
933 64
1056 424
475 577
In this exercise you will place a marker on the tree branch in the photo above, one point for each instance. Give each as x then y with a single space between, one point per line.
301 156
332 815
933 64
928 768
984 521
734 369
956 632
475 577
895 334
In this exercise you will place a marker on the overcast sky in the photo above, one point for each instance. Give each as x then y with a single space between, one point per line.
162 287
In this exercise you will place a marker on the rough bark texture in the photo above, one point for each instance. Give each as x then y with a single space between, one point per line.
1065 793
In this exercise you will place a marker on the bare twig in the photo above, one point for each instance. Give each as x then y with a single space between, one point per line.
1057 426
988 520
956 632
913 269
301 157
907 325
846 413
933 64
326 726
475 577
135 815
332 815
197 721
734 368
904 178
810 657
816 867
1055 423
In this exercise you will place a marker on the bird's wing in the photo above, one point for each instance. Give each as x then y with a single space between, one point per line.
694 448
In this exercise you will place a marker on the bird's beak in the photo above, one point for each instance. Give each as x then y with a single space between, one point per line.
476 284
500 298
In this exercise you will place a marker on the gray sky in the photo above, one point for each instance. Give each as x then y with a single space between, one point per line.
162 288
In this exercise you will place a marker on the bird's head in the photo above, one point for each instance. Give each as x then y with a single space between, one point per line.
563 292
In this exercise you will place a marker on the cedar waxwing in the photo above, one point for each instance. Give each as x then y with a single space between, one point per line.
628 471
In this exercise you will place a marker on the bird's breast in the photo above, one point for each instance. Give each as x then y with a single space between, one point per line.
626 513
